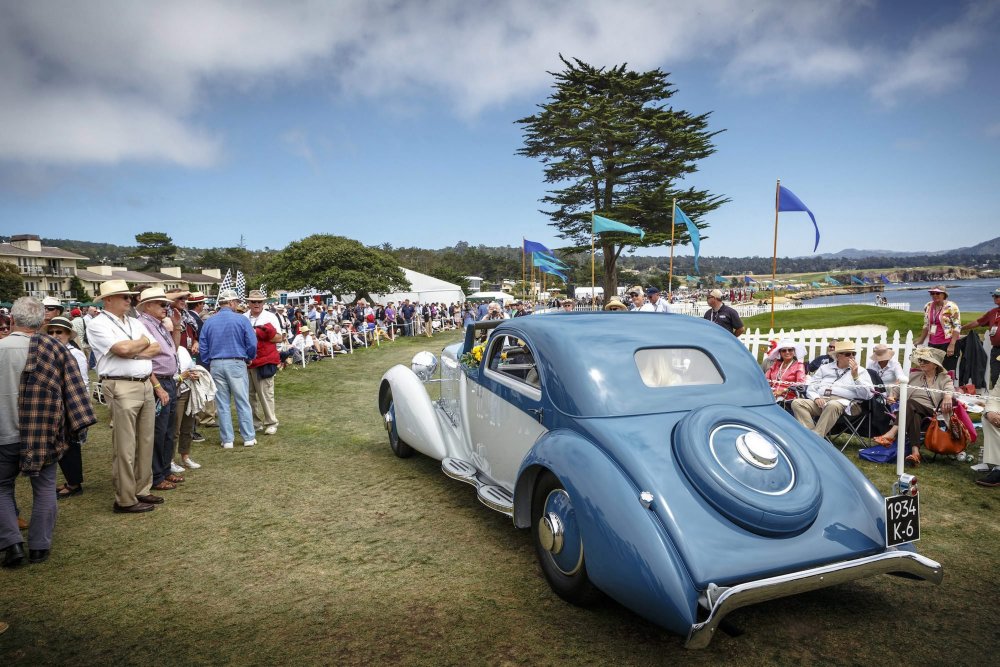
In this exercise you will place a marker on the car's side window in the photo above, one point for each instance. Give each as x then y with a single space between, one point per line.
512 358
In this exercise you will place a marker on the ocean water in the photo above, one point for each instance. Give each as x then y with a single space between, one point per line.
971 296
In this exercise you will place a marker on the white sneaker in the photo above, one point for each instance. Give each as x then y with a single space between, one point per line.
270 430
249 443
176 469
227 445
981 467
190 464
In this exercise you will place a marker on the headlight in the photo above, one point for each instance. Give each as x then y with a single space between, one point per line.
423 365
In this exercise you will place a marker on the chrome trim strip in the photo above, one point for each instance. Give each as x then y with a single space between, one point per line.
752 592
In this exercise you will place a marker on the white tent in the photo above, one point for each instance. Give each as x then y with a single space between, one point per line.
501 297
424 289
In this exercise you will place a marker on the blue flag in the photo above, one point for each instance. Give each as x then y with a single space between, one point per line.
816 285
534 246
692 232
602 224
832 281
787 201
857 281
721 279
553 271
884 279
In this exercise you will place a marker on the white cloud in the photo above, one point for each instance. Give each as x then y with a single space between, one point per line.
935 60
108 81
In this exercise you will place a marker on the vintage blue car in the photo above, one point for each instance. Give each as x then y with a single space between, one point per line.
647 455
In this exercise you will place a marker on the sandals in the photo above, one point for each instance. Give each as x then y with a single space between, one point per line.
913 460
165 486
175 479
65 491
882 440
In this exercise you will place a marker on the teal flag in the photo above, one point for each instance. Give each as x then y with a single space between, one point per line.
681 218
544 260
721 279
602 224
552 261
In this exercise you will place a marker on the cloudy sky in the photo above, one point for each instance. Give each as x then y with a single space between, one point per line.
391 121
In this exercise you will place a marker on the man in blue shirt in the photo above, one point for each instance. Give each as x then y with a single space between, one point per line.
227 344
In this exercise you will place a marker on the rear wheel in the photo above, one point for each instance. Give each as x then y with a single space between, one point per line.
399 448
558 541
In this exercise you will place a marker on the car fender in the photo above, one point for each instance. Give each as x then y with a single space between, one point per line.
416 419
627 553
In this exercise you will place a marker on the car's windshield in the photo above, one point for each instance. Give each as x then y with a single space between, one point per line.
673 366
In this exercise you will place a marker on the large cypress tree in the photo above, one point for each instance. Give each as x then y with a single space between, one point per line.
611 145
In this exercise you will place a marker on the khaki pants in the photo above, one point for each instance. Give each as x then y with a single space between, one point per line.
262 400
133 413
806 411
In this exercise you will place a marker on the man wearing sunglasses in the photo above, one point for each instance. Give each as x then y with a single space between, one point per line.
835 388
124 352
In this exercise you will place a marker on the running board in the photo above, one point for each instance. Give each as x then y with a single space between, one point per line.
495 497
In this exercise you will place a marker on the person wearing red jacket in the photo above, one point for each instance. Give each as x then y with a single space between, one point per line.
264 366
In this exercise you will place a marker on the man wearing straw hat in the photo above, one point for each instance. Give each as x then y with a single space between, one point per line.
152 309
124 352
268 331
835 389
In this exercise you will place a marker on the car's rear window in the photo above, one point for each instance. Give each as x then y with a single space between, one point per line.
676 366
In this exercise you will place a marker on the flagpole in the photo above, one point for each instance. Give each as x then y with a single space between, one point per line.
774 257
593 283
670 273
522 268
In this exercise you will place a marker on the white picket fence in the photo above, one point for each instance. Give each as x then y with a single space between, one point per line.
758 343
744 309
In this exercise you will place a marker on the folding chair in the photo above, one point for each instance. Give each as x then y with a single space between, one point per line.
873 419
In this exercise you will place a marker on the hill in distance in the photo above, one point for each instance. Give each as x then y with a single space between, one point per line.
991 247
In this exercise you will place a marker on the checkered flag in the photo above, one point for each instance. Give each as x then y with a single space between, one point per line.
241 285
263 289
227 282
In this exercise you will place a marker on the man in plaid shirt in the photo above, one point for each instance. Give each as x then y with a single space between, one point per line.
41 390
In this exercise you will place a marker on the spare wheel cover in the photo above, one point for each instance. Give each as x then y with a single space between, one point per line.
746 468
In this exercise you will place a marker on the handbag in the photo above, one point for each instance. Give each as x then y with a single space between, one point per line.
949 437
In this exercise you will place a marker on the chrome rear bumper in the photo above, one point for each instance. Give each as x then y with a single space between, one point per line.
721 601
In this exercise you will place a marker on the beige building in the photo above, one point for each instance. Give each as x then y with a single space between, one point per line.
46 270
169 277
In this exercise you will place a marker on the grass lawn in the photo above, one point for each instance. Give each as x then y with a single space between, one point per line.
318 546
841 316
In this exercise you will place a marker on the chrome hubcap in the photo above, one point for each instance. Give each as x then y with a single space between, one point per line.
550 533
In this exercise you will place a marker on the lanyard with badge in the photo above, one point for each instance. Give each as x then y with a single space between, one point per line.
115 322
829 390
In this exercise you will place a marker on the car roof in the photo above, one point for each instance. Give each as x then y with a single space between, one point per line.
587 366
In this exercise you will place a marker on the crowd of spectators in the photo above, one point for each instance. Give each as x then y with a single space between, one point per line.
166 367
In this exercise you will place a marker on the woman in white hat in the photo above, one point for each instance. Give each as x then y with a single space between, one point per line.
930 391
71 462
786 370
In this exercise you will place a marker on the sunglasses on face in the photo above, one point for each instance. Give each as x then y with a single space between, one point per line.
847 354
56 332
4 328
52 308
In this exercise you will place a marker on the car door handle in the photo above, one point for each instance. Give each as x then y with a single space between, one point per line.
538 412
